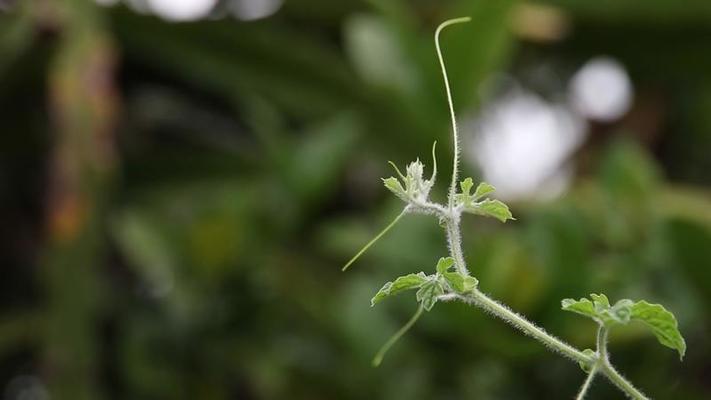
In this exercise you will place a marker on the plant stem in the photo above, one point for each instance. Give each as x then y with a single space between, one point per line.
455 135
610 371
455 244
527 327
497 309
621 382
602 343
394 338
375 239
586 385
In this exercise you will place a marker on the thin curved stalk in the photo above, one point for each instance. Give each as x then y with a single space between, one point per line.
610 372
455 134
394 338
586 385
375 239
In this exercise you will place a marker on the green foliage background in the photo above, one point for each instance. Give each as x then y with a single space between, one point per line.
178 199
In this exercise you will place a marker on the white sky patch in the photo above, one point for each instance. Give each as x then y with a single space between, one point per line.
601 90
522 143
182 10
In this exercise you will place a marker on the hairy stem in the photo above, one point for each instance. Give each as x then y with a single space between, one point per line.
602 343
394 338
455 135
610 372
375 239
621 382
586 385
455 245
499 310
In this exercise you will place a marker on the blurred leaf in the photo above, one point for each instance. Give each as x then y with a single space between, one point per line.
298 71
16 35
316 161
377 55
691 247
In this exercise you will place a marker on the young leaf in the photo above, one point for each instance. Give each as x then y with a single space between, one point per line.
599 309
466 186
582 306
586 367
601 302
482 190
444 264
406 282
465 198
428 293
621 311
394 186
496 209
662 323
460 283
491 208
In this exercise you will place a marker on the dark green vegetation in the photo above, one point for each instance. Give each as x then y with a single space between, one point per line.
178 199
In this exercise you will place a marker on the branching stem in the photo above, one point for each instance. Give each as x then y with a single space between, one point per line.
610 372
450 217
601 361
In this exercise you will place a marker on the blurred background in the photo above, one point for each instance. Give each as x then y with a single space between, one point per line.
182 180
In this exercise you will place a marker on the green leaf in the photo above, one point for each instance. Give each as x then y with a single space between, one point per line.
465 198
491 208
621 311
662 323
482 190
394 186
582 306
599 309
444 264
466 186
428 293
496 209
586 367
461 283
600 300
410 281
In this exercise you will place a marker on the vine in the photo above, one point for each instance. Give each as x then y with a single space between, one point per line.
452 280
